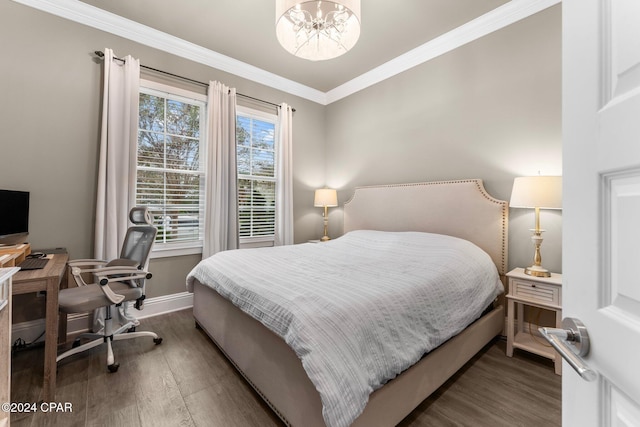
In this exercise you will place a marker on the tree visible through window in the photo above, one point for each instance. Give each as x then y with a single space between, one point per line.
255 138
170 174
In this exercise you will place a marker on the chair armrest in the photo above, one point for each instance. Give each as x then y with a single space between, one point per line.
129 274
108 271
118 274
77 271
103 272
86 262
111 296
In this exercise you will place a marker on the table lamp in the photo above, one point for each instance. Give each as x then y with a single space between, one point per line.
325 197
537 192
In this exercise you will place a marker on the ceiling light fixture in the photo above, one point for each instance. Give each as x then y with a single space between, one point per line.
317 30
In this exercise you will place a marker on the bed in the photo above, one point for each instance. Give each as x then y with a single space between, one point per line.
461 209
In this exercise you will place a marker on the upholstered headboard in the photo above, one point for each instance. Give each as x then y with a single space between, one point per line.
457 208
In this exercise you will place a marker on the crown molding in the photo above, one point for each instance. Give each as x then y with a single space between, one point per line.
497 19
83 13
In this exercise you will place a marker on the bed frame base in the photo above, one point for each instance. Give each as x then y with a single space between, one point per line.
276 373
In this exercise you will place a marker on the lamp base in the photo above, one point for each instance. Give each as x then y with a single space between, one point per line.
325 238
537 271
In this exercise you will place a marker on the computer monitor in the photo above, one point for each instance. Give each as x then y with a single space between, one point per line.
14 217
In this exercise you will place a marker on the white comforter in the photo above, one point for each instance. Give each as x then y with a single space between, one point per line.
360 309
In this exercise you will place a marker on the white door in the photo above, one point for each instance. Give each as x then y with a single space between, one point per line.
601 207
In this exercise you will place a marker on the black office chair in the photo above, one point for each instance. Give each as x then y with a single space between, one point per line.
117 281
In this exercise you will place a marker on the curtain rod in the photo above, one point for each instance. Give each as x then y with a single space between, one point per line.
100 54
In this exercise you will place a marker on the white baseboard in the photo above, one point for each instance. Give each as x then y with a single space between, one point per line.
166 304
30 331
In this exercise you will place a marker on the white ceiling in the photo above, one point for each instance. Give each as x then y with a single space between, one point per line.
238 36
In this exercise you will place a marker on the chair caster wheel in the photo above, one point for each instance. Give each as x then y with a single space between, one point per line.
158 341
76 343
113 368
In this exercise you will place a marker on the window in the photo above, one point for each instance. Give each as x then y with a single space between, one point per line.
255 138
171 176
170 173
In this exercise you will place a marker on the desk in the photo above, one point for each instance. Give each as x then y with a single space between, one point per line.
49 279
5 340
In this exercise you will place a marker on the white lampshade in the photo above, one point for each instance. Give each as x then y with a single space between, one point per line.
544 192
317 30
325 197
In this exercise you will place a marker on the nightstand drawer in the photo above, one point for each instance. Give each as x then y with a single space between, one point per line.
540 292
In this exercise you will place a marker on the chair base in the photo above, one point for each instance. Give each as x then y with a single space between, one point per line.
98 339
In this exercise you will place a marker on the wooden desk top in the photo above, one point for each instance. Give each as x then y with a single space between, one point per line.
36 280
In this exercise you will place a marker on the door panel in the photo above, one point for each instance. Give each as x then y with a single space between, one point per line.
624 412
622 199
620 22
601 206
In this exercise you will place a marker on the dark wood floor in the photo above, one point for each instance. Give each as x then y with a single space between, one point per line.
186 381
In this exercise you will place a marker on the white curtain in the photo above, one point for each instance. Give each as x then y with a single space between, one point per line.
284 177
117 164
118 144
221 196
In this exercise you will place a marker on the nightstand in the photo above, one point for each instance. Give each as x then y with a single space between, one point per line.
541 292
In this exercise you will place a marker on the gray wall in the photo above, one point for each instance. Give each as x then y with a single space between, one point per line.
50 86
490 109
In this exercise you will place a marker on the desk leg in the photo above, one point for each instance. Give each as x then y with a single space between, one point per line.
62 329
62 320
51 341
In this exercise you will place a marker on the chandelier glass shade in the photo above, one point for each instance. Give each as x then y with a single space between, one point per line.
317 30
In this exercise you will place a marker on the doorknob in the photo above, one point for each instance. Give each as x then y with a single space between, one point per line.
571 342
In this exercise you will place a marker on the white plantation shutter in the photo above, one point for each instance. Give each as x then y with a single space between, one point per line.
255 136
257 207
170 174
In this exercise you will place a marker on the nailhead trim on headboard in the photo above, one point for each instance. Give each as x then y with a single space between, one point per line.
504 211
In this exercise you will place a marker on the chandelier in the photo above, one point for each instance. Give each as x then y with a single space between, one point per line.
317 30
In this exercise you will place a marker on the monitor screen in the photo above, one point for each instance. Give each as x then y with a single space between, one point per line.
14 216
